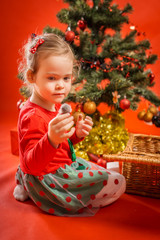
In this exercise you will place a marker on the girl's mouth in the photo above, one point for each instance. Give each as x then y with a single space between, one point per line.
58 94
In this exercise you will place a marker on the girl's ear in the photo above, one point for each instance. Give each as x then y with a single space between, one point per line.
30 76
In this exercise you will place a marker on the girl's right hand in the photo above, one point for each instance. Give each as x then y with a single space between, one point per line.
58 129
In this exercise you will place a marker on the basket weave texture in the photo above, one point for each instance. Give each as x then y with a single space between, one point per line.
141 164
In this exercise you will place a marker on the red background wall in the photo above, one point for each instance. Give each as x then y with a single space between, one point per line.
20 18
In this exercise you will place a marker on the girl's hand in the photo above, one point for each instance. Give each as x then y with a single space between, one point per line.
58 129
83 127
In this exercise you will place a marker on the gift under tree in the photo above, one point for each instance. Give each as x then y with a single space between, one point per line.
114 70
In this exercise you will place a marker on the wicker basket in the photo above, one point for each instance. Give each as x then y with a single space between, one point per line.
140 164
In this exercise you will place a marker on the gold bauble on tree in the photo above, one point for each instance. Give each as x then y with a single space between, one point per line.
148 116
89 107
141 115
153 110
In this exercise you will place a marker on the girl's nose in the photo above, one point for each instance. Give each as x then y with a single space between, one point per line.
59 86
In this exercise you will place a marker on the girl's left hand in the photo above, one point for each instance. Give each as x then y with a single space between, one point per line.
83 127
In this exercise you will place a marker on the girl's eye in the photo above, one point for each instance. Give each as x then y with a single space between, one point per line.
67 78
51 78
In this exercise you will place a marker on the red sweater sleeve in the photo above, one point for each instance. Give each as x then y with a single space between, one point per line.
35 148
74 139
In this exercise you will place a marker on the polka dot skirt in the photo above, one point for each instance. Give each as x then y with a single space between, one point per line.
73 192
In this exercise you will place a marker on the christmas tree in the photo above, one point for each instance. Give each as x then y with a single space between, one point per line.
111 66
114 69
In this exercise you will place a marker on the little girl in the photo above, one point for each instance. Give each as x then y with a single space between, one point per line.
49 173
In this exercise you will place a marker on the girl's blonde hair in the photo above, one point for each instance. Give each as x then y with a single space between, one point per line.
52 45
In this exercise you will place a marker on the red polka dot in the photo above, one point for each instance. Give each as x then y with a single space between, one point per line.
39 204
91 174
40 178
41 193
87 168
80 210
89 206
51 210
80 185
80 175
92 196
65 186
31 184
108 172
79 196
92 184
68 199
68 209
65 175
100 173
105 182
116 181
105 195
52 185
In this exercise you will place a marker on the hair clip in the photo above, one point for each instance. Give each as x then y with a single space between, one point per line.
39 42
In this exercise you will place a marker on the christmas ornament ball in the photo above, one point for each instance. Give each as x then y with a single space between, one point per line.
124 104
151 77
101 162
156 120
148 116
90 3
76 115
153 110
82 24
141 115
69 36
89 107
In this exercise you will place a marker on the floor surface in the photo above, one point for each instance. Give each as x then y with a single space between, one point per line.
131 217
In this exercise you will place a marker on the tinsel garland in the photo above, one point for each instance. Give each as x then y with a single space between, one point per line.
108 136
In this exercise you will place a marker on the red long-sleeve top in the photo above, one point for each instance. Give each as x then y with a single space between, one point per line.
37 155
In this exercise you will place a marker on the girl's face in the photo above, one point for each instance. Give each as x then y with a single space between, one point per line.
52 82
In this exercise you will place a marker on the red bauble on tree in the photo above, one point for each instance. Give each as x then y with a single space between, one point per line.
124 104
69 36
82 24
151 77
90 3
